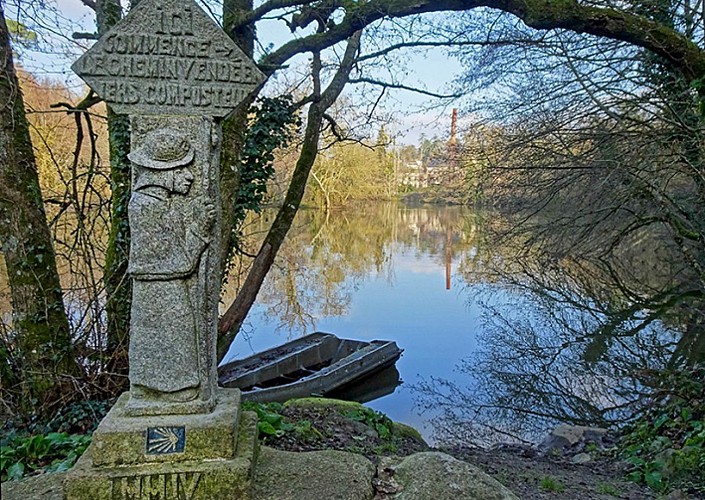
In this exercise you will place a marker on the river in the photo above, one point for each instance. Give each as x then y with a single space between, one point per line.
499 342
494 345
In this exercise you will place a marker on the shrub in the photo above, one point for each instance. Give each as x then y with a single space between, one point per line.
666 447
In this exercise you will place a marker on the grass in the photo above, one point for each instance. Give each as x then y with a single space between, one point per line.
549 483
666 446
608 489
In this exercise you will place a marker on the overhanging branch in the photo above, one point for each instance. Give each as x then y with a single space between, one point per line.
681 52
400 86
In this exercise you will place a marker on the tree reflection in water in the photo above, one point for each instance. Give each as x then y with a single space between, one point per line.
329 255
571 340
563 335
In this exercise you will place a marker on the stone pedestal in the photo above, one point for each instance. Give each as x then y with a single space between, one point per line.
180 457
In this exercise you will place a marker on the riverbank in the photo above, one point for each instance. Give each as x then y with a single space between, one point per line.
529 472
312 442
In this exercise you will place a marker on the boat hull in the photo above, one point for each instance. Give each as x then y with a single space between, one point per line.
315 365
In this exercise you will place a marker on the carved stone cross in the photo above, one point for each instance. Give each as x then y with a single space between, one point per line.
175 72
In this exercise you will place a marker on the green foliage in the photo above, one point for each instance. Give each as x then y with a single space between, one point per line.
375 420
550 484
666 447
386 448
346 172
591 447
52 452
50 445
80 417
271 422
273 425
274 124
21 35
305 431
608 489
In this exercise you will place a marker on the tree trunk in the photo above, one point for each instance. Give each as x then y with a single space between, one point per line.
231 321
118 286
41 339
234 130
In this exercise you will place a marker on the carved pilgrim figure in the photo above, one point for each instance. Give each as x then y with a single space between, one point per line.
170 229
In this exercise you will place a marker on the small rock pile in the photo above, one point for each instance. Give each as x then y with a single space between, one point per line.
576 442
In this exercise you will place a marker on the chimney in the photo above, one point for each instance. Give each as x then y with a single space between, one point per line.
453 127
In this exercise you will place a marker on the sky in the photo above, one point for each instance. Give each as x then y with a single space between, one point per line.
412 119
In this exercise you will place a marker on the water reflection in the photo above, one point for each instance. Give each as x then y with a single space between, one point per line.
570 339
535 368
498 342
385 266
378 385
328 256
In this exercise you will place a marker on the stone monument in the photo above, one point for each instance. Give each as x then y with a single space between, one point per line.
175 434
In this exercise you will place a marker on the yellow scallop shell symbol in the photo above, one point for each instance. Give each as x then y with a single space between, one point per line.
165 441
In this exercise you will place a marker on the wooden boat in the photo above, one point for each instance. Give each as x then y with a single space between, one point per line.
315 365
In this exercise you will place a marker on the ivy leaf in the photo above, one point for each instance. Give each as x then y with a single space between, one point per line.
660 421
15 471
654 479
267 429
272 418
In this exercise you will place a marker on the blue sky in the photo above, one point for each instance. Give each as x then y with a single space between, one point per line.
432 69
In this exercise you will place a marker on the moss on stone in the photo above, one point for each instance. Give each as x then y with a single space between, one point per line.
407 431
352 407
334 404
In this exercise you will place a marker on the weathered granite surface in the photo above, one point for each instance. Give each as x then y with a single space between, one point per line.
173 264
571 439
121 439
168 57
192 480
194 473
175 71
175 435
440 477
44 487
312 475
281 475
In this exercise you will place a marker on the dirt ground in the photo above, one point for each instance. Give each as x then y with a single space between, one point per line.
331 428
531 476
528 474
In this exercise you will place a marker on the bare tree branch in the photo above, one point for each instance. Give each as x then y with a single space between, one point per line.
681 52
231 321
82 35
91 4
404 87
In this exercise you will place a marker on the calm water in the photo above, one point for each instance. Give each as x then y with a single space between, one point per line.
407 301
482 343
498 342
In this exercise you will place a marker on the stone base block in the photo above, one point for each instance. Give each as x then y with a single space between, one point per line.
192 480
196 473
140 408
123 440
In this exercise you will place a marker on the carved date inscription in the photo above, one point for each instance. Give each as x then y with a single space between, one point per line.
168 56
178 486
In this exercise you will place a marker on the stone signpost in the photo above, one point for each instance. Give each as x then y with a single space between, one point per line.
175 434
